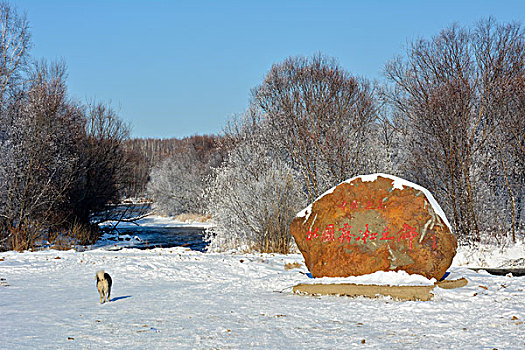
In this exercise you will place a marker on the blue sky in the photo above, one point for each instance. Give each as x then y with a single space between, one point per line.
180 68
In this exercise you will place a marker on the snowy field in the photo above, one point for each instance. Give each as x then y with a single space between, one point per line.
178 298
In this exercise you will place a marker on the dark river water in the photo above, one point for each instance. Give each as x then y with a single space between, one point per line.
167 237
148 237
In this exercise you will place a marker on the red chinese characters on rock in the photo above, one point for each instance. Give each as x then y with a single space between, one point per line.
368 205
345 234
366 235
328 234
407 233
385 235
312 234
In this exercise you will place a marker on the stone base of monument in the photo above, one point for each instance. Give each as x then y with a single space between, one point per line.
403 293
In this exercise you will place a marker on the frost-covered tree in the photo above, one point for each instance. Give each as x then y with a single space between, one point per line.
310 126
176 185
59 161
45 129
254 196
147 153
321 116
178 182
15 41
512 155
453 95
14 54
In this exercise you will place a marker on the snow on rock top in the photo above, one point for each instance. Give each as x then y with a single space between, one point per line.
398 183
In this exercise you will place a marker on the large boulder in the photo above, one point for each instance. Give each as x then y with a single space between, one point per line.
375 223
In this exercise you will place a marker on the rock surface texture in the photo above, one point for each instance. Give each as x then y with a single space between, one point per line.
375 223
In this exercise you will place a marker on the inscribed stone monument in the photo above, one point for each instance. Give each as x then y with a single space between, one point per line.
375 223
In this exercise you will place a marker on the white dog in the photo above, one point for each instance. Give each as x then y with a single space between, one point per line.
103 285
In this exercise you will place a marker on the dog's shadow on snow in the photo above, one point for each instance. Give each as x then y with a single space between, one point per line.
120 298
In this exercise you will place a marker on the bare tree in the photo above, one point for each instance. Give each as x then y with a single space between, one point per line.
62 164
58 163
15 41
14 46
103 165
321 115
46 128
450 91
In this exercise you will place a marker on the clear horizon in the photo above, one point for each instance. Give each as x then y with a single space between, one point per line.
181 68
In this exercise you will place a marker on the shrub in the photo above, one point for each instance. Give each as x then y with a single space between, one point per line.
252 201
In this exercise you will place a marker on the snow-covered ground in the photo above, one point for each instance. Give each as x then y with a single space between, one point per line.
178 298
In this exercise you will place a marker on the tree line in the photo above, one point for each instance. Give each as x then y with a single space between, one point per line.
173 173
449 116
60 160
147 155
